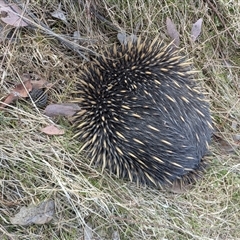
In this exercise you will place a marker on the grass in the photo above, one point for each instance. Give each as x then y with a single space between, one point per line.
35 167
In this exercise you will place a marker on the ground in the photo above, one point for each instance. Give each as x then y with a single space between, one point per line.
35 167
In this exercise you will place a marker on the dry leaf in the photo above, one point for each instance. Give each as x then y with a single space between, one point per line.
36 80
196 29
59 13
40 214
52 130
172 32
76 35
11 14
20 90
23 89
124 38
9 99
64 109
132 38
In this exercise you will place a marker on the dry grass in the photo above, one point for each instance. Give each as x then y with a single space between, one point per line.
35 167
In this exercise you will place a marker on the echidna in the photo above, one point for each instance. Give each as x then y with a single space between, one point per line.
142 116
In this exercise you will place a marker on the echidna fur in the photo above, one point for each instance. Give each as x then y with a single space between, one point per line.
142 116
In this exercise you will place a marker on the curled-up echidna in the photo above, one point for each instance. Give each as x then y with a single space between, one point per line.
142 116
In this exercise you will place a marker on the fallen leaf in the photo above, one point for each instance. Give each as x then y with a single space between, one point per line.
125 38
40 214
64 109
196 29
122 37
20 90
9 99
76 35
11 14
59 13
23 89
172 32
132 38
36 80
52 130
